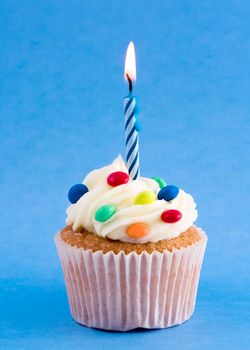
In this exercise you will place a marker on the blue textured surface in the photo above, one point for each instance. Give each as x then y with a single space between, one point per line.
62 115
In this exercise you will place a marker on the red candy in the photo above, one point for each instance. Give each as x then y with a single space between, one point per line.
171 216
117 178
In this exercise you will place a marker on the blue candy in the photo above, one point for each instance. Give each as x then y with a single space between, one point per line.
168 193
76 192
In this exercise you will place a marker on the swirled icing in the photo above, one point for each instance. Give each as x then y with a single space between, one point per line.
82 213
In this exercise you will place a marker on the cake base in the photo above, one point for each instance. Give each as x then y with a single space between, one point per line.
126 290
87 240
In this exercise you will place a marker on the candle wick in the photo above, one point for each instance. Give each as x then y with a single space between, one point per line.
130 84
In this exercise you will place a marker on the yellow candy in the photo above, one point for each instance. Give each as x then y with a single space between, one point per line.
145 197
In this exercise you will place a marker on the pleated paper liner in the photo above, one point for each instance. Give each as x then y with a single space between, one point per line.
122 292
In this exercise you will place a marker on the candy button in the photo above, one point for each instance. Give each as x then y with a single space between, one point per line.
168 193
117 178
137 230
160 181
76 192
145 197
105 212
171 216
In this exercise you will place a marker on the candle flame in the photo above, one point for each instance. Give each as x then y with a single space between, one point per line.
130 65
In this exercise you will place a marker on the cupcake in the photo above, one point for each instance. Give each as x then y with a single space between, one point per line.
130 252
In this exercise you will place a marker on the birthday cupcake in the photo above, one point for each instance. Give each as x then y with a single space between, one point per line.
130 252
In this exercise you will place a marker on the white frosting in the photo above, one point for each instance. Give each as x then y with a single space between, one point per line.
82 213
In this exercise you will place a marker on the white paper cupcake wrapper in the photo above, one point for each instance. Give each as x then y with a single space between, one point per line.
122 292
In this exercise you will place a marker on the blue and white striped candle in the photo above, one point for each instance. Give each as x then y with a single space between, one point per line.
131 124
131 137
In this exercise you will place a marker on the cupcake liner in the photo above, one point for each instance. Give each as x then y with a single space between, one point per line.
122 292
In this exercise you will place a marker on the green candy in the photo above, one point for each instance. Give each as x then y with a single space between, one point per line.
160 181
105 212
145 197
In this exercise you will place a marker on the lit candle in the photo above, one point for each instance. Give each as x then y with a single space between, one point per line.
131 124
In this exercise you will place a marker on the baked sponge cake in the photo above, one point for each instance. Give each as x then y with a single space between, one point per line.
130 253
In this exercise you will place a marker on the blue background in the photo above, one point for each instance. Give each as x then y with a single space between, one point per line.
61 116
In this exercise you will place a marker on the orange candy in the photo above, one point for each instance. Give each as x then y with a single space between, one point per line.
137 230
